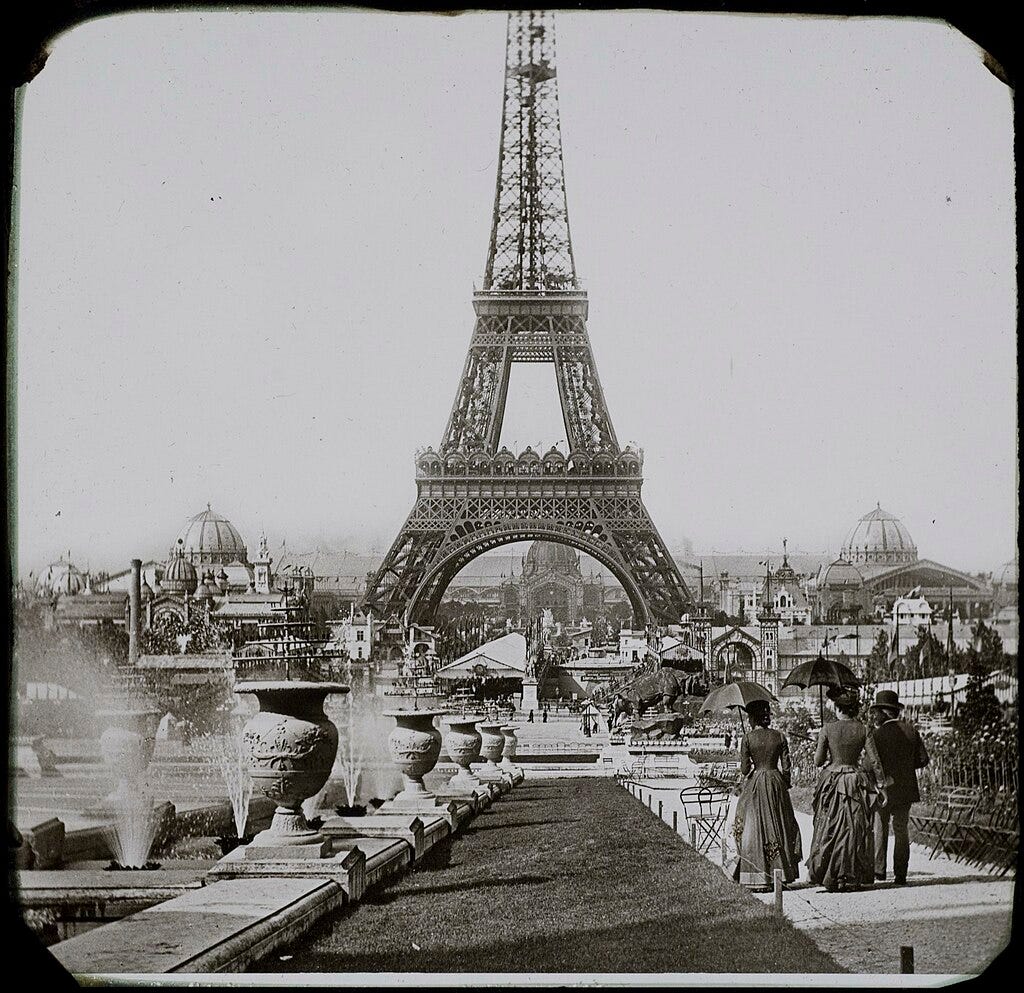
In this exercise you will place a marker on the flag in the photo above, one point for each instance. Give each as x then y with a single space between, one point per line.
916 591
894 645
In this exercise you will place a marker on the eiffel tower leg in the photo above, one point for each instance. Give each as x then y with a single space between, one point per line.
402 571
476 417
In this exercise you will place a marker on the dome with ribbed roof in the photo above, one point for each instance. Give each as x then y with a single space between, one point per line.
879 538
550 556
180 574
1009 574
61 578
840 574
210 539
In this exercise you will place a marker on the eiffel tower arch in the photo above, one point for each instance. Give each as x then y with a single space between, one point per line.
473 497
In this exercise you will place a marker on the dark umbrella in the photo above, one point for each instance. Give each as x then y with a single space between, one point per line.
822 672
737 694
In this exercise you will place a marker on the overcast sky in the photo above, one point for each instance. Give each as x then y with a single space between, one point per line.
248 244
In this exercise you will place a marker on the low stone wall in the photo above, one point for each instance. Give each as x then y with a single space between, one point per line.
218 819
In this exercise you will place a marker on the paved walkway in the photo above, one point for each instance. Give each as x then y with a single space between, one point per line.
956 918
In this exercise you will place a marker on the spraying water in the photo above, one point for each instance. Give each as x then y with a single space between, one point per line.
363 767
232 761
349 763
133 830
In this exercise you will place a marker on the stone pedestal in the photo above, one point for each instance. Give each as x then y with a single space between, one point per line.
530 701
480 798
42 846
347 868
407 828
448 809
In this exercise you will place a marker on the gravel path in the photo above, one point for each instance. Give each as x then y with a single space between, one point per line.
956 918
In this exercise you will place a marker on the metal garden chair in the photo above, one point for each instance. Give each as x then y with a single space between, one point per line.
705 810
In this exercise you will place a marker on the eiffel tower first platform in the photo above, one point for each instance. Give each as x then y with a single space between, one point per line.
471 497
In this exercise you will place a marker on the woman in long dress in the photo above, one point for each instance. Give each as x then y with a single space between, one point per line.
842 847
767 835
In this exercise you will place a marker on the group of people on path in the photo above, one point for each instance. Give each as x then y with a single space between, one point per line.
866 786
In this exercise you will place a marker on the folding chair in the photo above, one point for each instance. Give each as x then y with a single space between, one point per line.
955 836
706 810
995 834
936 828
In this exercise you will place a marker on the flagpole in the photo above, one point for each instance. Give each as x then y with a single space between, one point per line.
949 654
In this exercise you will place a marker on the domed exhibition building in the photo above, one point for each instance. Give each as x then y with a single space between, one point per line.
207 569
878 564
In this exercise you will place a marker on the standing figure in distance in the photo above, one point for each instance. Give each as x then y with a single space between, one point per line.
765 828
842 849
896 752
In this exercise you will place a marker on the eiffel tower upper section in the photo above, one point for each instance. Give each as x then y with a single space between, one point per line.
531 308
531 248
471 497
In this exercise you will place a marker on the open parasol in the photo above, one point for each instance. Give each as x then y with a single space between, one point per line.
822 672
737 694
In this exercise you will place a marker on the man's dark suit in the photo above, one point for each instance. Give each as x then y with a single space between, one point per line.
896 752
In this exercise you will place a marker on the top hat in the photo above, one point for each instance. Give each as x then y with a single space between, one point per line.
887 699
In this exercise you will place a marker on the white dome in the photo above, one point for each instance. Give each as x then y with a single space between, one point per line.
879 538
210 539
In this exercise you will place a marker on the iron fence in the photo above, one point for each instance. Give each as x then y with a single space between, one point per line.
990 776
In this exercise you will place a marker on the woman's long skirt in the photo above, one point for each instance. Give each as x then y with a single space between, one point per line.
842 848
766 832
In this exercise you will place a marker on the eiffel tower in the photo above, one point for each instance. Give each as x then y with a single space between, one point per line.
471 497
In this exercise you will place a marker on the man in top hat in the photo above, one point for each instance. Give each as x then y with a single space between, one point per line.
896 752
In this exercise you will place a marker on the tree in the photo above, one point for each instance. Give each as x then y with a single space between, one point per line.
876 670
980 708
204 635
161 637
201 635
927 658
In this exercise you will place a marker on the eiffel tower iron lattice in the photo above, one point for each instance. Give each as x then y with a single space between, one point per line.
472 497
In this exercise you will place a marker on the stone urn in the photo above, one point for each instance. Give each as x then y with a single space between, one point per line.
415 745
508 753
463 743
491 749
126 747
291 744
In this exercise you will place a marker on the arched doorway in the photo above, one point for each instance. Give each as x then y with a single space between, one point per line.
734 659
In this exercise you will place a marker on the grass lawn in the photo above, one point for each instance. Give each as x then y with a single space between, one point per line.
562 875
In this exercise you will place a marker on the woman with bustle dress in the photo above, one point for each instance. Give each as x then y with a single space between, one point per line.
765 828
842 848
